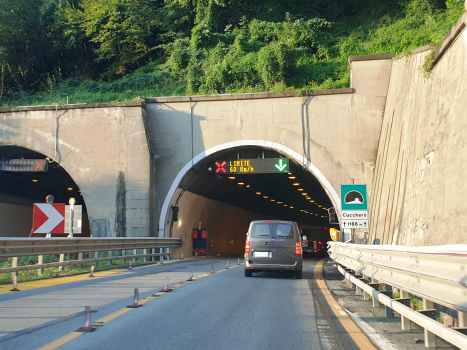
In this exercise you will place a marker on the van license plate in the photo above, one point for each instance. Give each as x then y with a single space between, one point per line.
261 254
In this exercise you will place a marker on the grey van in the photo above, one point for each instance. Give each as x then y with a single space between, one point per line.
273 245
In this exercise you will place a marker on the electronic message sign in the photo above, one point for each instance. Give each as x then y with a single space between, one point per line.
23 165
251 166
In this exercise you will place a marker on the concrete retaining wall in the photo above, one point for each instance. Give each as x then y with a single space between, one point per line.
420 186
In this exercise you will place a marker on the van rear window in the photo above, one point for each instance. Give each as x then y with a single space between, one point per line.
262 230
277 230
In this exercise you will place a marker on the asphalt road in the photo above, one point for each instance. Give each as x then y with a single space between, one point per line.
222 311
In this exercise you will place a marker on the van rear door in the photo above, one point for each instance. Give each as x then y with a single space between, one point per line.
261 242
284 244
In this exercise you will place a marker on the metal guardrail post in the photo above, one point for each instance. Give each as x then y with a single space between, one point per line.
145 259
461 319
123 254
40 261
62 259
388 312
135 252
14 263
430 339
375 301
80 257
405 322
110 255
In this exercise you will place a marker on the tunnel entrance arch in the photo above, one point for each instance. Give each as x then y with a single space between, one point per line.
294 156
20 189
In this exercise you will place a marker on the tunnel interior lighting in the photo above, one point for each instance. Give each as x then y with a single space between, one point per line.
273 200
285 205
241 183
308 197
300 189
265 197
296 184
319 206
70 189
292 177
247 185
35 180
301 209
304 194
232 177
312 201
258 192
279 202
291 207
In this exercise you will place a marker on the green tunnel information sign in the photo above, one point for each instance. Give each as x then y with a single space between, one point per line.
252 166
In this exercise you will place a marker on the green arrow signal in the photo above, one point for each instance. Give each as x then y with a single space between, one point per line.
281 166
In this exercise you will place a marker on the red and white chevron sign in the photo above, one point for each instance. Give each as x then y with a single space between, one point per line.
48 218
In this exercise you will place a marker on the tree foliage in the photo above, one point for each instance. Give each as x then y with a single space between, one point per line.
220 45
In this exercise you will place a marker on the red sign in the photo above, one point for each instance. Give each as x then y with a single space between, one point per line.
48 218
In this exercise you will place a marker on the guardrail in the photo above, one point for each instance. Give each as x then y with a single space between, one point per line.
18 247
434 274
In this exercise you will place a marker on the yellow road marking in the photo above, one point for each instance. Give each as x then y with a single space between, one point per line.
354 331
113 315
60 341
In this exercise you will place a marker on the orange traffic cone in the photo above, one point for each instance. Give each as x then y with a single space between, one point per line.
135 300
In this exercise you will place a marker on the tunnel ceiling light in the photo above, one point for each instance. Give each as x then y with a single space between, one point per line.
319 206
292 177
300 189
247 185
304 194
312 201
308 197
279 202
291 207
285 205
241 183
316 214
35 180
258 192
301 210
265 197
296 184
70 189
232 177
273 200
322 216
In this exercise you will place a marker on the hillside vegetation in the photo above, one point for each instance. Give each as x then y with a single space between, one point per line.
115 50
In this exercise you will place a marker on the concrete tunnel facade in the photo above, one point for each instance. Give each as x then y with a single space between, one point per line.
128 158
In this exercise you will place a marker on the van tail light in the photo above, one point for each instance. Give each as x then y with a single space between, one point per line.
298 248
247 247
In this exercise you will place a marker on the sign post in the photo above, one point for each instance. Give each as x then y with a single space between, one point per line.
354 203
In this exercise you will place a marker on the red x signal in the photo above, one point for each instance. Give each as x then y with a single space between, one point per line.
220 167
40 165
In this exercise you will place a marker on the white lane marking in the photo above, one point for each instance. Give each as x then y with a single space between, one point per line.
373 334
342 313
336 306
